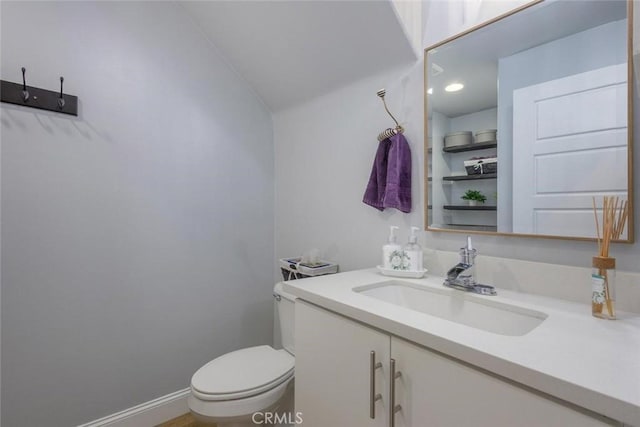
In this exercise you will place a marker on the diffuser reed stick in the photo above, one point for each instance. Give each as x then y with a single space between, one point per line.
614 218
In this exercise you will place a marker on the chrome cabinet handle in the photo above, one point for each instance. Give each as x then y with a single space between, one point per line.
393 408
373 396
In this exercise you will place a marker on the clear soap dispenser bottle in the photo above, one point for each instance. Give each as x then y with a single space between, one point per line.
392 256
413 251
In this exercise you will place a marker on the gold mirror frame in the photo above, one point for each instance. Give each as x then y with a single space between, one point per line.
631 83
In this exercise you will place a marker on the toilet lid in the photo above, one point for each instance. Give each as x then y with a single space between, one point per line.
243 373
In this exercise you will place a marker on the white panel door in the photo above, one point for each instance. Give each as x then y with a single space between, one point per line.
332 383
569 144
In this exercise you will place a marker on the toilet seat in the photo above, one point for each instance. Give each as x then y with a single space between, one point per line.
225 409
242 374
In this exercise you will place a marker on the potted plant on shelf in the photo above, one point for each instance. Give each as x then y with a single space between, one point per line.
473 197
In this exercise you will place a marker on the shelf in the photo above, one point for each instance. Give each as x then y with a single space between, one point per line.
469 208
479 226
469 177
470 147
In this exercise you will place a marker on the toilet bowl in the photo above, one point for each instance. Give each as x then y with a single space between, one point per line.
239 388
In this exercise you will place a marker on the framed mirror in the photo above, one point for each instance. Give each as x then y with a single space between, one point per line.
528 118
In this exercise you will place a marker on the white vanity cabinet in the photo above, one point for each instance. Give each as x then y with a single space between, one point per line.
333 383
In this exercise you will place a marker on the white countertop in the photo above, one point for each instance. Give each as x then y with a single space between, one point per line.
572 355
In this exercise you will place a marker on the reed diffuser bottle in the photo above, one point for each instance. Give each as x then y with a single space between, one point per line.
603 275
603 285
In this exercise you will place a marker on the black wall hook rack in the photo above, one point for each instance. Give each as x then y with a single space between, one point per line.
27 96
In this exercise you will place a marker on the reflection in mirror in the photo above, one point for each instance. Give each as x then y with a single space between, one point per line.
530 113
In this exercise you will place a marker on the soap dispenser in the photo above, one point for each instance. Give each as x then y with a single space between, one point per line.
392 257
413 251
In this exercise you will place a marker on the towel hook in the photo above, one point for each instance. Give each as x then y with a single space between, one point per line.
61 98
25 92
389 131
18 93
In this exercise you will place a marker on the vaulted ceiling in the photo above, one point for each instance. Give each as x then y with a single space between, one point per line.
292 51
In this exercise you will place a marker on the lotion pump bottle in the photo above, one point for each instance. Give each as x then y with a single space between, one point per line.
391 250
413 251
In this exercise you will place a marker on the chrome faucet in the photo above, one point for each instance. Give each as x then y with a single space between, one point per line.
462 275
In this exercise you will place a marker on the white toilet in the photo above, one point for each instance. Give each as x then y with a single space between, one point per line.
239 388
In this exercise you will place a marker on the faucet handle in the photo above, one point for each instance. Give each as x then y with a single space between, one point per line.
467 256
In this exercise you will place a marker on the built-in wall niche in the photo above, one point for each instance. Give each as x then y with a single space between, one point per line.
559 98
449 209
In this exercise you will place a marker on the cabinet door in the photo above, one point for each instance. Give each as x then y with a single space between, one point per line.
436 391
332 383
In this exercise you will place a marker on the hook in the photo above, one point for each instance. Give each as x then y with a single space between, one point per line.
61 98
25 92
388 132
381 93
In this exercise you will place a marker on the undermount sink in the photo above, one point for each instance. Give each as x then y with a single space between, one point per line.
470 310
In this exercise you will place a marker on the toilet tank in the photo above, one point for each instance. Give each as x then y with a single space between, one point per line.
285 312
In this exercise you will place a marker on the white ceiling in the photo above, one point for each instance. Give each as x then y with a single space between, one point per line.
292 51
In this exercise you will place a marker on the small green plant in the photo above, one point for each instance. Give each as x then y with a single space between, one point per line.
474 195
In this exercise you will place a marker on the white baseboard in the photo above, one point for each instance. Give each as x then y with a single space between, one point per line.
147 414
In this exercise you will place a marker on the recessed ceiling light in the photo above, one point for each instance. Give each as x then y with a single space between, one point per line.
430 91
454 87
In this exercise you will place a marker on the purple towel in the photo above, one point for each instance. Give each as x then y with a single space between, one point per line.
390 181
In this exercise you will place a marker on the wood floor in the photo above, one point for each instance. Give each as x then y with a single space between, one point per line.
185 420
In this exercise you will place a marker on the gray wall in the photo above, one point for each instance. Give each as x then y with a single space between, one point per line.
137 239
